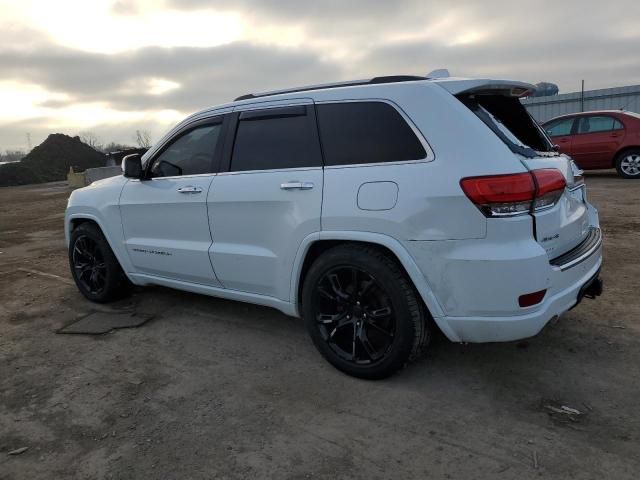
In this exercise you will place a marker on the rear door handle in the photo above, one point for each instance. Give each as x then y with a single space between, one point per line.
296 185
190 189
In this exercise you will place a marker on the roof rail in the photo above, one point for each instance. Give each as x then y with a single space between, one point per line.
372 81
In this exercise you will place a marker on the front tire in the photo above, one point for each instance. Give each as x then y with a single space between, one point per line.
94 267
362 312
628 164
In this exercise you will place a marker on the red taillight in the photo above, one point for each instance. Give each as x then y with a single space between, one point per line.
530 299
550 184
513 194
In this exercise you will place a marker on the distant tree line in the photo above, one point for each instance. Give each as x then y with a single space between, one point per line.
12 155
142 138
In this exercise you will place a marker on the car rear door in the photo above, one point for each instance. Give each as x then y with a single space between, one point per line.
164 217
269 197
597 139
560 131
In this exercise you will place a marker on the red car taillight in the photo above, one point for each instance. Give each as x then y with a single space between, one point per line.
514 194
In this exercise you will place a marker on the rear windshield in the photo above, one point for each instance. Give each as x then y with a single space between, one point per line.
510 121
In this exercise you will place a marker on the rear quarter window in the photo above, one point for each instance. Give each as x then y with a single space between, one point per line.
366 132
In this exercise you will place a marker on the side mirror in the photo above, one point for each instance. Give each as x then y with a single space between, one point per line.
132 166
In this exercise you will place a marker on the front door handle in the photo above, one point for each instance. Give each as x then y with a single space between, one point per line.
190 189
296 185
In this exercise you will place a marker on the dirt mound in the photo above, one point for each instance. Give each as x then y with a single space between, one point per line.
50 161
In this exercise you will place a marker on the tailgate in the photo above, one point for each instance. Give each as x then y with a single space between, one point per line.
566 224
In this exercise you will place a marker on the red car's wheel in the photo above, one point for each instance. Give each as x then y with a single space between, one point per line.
628 164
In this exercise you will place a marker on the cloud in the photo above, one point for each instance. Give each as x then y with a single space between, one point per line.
288 43
201 76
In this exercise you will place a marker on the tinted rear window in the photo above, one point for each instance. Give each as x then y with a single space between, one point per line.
598 123
366 132
275 139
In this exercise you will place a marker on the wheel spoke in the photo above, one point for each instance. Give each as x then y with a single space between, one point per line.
366 344
330 318
76 249
83 269
94 251
379 313
380 329
342 323
334 281
84 248
366 287
354 283
353 347
334 298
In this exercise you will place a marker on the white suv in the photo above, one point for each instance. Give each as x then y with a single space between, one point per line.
377 210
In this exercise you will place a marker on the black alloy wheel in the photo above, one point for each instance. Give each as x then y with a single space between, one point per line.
89 265
362 311
94 267
354 315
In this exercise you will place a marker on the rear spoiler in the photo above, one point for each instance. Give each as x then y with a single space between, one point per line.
510 88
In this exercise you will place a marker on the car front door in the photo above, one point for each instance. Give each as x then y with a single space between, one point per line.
268 199
164 216
560 132
597 139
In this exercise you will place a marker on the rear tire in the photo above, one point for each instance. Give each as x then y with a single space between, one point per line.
628 163
94 267
362 312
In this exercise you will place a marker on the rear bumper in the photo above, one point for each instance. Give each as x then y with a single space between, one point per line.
567 288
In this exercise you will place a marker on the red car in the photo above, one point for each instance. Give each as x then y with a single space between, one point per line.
599 139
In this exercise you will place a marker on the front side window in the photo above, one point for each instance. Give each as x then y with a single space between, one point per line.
276 138
559 128
191 154
366 132
598 123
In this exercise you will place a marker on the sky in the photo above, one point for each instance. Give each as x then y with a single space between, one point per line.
113 67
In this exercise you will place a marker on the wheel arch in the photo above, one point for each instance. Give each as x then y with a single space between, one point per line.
74 220
314 245
622 151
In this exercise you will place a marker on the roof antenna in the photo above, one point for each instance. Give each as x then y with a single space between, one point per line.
439 73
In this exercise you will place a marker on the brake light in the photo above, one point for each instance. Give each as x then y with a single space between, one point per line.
514 194
499 195
550 184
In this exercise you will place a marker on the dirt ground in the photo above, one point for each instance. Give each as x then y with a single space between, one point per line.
216 389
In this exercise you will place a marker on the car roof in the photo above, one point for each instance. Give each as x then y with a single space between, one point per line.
591 112
454 85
